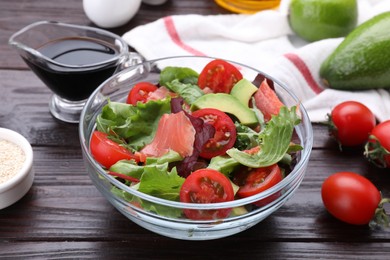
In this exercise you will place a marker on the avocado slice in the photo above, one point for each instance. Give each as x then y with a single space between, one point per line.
228 104
243 91
362 60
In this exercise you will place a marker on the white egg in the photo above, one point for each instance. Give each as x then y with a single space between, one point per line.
110 13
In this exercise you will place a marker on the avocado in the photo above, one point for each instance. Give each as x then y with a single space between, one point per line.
362 60
243 91
226 103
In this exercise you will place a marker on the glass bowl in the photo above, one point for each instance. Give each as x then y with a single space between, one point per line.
116 88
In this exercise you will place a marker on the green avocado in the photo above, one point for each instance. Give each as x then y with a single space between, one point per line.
243 91
362 60
228 104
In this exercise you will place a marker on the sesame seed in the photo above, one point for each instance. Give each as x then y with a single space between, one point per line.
12 159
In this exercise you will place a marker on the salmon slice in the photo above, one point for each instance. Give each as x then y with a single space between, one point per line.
174 132
267 101
161 93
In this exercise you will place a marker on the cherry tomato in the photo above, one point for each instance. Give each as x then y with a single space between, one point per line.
206 186
225 132
350 197
219 76
378 145
108 152
350 123
257 180
140 92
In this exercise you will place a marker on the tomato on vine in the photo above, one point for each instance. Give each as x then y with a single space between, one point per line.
377 149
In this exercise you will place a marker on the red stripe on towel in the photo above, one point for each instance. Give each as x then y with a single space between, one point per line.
304 70
172 32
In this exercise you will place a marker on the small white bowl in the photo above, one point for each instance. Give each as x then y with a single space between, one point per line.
17 186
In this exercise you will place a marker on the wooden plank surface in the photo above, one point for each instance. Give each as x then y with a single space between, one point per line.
64 215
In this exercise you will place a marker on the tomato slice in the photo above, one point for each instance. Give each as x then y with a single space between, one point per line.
254 181
219 76
108 152
206 186
140 92
225 132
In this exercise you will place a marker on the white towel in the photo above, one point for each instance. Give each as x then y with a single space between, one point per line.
264 41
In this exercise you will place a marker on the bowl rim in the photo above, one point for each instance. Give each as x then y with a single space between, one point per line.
304 155
21 141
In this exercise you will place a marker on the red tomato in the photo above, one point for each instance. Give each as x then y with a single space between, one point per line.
219 76
106 151
350 197
206 186
257 180
351 122
140 92
378 145
225 132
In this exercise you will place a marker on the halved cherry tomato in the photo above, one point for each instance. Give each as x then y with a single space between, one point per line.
350 122
206 186
378 146
108 152
225 132
351 198
219 76
256 180
140 92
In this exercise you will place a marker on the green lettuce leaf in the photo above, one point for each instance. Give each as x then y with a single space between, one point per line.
158 182
274 141
182 81
182 74
137 125
224 164
189 92
147 205
155 180
246 137
170 156
128 167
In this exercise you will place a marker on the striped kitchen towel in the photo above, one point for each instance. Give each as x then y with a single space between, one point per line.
264 41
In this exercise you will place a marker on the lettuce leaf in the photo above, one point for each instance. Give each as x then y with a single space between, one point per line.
224 164
182 74
247 138
189 92
137 125
274 141
182 81
159 182
155 179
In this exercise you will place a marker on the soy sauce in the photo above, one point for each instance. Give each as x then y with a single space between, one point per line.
67 81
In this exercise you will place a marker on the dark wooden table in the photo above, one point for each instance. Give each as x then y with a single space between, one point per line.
64 216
